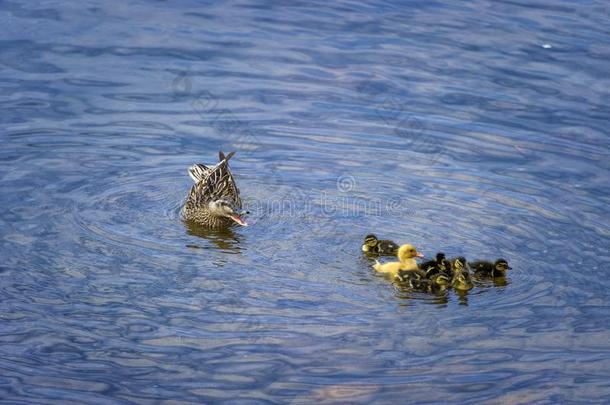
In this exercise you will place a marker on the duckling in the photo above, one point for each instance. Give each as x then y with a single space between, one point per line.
438 282
406 256
485 268
460 279
432 267
380 247
415 279
425 277
456 263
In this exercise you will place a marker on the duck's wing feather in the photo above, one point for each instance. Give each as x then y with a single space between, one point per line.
218 183
199 172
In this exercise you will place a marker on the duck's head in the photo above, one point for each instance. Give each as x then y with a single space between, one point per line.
370 240
440 261
459 263
501 265
406 252
223 208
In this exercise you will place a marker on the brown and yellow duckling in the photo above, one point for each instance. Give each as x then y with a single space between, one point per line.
406 262
431 275
438 265
460 276
485 268
379 247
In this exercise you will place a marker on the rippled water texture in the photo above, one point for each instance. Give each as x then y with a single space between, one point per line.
476 128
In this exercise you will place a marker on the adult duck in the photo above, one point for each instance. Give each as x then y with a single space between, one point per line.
214 200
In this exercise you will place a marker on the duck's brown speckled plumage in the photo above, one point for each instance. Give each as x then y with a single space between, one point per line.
211 183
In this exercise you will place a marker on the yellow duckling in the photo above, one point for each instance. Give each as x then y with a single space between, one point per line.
406 256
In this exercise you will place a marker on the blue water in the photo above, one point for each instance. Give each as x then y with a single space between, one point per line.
476 128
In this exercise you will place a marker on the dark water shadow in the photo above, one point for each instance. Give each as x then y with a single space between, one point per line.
439 298
223 239
488 282
462 296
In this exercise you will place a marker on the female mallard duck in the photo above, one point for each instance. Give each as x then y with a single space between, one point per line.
406 256
485 268
380 247
214 198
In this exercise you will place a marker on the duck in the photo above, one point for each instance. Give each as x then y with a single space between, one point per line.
414 279
406 262
214 200
460 276
429 275
439 281
485 268
432 267
380 247
455 263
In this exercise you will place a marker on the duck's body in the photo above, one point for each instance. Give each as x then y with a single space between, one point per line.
379 246
214 200
485 268
461 281
456 263
414 279
432 267
439 281
406 256
460 276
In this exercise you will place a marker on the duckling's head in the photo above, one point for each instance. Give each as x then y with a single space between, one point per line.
406 252
223 208
459 263
370 240
440 260
501 265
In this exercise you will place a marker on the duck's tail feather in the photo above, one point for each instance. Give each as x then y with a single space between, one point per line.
221 156
200 171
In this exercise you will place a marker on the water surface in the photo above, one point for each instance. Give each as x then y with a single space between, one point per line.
478 129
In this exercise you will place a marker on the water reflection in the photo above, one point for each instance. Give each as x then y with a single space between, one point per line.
462 296
487 282
440 295
223 239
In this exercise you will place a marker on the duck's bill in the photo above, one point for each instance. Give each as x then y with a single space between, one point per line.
239 220
419 255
